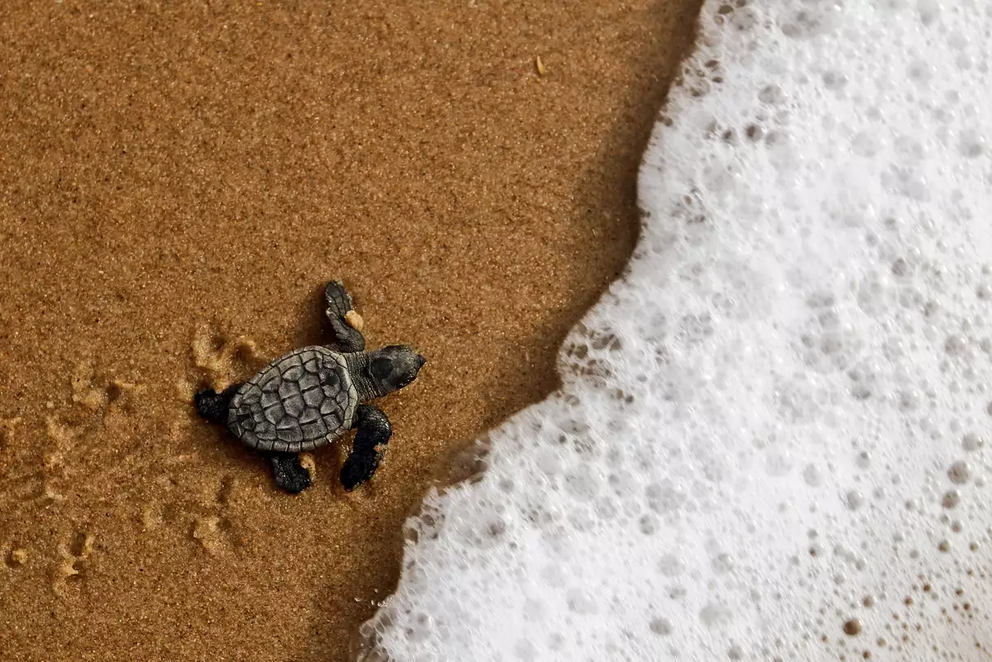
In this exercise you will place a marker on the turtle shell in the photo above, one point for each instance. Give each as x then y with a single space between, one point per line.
300 401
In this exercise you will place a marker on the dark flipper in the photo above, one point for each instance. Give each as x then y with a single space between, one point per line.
289 474
212 405
347 338
373 434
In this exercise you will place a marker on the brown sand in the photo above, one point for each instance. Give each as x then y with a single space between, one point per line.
176 185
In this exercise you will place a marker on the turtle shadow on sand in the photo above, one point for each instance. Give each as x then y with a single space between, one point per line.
310 397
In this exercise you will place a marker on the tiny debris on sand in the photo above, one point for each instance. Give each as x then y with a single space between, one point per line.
307 462
354 320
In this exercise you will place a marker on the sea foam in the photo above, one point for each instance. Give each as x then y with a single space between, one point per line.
771 438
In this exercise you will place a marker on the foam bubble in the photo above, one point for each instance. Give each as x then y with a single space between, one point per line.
769 442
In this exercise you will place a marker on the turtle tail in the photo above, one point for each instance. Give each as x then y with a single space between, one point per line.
212 405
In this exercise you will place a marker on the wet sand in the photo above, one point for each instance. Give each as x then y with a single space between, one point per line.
175 187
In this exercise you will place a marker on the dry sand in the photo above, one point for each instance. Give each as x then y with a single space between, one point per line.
175 187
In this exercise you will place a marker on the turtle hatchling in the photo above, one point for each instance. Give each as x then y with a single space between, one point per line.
310 397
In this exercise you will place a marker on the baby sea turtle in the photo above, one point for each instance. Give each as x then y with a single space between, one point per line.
311 396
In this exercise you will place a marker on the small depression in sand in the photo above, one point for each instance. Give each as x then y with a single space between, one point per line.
176 184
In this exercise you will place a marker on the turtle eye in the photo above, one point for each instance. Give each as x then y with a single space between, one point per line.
380 368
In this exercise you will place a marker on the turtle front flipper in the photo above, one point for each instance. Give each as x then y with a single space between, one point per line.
345 322
288 473
373 434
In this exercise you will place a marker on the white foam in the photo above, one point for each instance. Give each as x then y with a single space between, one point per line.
770 441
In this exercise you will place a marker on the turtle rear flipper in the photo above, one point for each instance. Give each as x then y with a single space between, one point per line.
340 314
288 473
213 406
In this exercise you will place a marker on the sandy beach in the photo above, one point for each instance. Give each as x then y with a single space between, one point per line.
176 186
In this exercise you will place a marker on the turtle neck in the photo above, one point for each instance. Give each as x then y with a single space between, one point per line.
358 364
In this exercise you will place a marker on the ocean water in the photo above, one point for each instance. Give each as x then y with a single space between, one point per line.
773 438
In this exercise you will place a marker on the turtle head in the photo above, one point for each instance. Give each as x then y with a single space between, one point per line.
391 368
